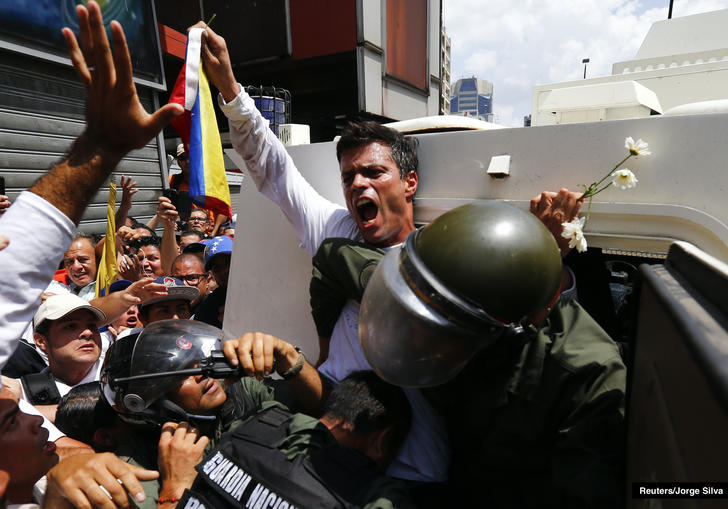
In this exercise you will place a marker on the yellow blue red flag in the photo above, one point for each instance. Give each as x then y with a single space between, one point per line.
197 127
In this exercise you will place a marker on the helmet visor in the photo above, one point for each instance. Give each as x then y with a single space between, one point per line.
406 341
167 346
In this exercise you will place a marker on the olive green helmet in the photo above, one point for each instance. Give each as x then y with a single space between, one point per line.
473 275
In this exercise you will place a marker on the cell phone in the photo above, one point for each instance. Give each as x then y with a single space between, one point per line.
184 204
172 195
2 184
181 201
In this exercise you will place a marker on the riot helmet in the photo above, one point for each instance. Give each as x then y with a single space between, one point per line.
140 369
477 274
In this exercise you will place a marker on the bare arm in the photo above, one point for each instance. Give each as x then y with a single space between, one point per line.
116 121
128 191
169 250
114 305
219 220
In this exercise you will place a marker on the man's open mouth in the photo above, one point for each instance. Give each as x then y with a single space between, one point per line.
367 210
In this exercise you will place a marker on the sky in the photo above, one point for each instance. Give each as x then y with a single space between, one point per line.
516 44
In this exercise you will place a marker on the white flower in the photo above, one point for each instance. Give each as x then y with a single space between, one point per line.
637 148
573 230
624 179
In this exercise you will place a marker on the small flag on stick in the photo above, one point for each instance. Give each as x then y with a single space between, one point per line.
108 272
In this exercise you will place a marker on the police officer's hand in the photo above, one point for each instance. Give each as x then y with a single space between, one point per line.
257 352
215 55
77 481
554 209
181 448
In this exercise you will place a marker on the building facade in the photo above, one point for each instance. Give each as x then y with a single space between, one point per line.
472 97
445 90
682 66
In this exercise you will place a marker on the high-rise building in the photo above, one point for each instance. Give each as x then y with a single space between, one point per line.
445 73
472 97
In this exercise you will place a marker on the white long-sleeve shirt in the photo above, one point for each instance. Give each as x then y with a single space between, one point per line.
39 234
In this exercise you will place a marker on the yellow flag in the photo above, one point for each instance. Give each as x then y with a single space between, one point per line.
108 272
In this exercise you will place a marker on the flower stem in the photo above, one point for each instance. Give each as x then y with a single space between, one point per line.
592 189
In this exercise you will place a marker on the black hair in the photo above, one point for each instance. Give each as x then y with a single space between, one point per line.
359 134
149 241
44 327
136 226
369 404
88 236
200 234
83 411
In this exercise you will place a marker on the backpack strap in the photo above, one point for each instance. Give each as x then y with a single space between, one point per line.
41 389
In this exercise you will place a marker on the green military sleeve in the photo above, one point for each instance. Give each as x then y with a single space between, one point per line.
341 270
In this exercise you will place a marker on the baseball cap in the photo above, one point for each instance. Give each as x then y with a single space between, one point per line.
58 306
116 286
176 290
217 246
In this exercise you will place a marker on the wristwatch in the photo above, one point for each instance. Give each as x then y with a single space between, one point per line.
294 370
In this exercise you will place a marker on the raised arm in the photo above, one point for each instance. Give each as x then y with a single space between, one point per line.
312 216
116 121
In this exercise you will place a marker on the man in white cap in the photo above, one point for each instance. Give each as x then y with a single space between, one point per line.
66 329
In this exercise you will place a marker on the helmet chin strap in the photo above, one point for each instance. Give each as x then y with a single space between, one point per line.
170 409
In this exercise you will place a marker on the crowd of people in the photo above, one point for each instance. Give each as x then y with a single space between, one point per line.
466 374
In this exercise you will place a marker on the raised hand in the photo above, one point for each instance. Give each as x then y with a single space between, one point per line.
128 191
181 448
553 209
116 121
216 58
167 212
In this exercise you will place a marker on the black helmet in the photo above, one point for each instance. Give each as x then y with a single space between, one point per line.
473 275
163 348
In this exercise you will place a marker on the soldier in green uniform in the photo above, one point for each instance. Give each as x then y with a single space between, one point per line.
531 388
284 460
164 348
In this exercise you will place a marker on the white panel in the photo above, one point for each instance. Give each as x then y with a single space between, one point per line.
270 273
402 103
372 21
433 16
373 82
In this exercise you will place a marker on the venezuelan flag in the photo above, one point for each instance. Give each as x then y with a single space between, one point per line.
198 129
